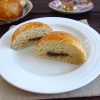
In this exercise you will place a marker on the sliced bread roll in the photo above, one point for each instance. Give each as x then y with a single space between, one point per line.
61 46
28 34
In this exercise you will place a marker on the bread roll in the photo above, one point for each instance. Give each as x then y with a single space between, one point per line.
10 9
28 34
61 46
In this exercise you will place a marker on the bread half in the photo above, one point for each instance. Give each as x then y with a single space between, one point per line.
28 34
61 46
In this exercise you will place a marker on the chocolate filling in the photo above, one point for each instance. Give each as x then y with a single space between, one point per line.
57 54
35 39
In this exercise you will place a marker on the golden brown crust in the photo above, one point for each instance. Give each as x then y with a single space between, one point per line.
10 9
28 26
60 36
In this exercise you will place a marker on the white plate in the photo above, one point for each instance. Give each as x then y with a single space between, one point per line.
23 70
60 9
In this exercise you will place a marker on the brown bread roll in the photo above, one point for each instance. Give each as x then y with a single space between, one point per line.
61 46
10 10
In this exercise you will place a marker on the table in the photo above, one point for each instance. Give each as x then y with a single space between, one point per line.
41 9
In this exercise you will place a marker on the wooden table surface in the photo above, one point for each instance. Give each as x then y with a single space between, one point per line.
41 9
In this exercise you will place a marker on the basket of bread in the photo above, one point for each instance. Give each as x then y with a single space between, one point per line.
13 10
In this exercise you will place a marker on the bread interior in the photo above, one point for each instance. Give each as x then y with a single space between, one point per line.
65 52
28 38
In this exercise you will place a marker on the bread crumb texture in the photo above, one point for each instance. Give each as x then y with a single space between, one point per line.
28 34
61 46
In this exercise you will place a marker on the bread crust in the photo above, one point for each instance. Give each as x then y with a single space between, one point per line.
61 36
28 26
10 9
